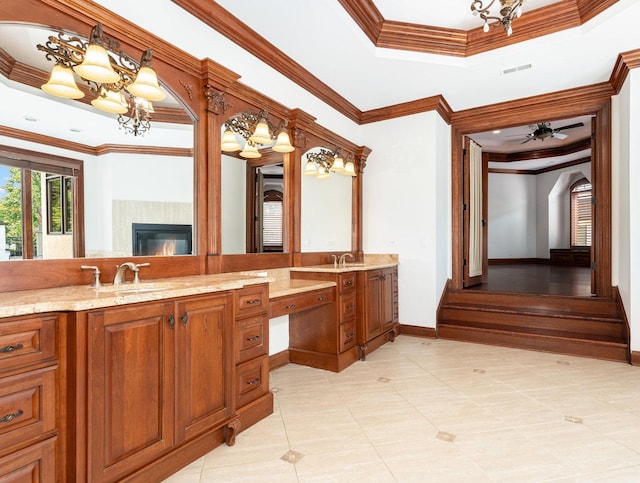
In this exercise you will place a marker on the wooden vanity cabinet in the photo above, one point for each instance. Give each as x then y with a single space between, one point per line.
253 399
157 381
377 308
29 376
324 336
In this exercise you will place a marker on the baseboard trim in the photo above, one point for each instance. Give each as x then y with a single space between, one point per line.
415 330
635 358
279 359
509 261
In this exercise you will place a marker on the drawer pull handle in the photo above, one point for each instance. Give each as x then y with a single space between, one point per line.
322 299
172 321
349 282
350 336
253 381
11 348
253 301
253 339
350 307
184 319
10 417
289 307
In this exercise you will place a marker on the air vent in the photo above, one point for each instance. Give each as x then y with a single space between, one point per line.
511 70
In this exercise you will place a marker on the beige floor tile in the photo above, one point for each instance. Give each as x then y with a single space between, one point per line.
434 410
358 465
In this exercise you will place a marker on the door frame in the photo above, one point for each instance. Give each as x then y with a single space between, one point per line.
590 100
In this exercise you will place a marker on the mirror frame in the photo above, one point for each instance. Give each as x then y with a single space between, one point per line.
207 90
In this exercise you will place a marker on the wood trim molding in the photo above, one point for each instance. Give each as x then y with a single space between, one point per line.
278 360
417 331
461 43
91 150
635 358
434 103
534 172
223 22
575 147
625 62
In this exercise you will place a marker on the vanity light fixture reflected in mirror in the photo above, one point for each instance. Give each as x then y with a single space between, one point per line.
256 132
324 162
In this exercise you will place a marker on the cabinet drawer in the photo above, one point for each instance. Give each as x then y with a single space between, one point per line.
347 335
252 379
295 303
347 282
27 341
347 306
27 406
35 463
253 299
251 338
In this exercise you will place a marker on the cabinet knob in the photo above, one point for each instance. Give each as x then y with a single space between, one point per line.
253 339
253 381
322 299
291 306
184 319
172 321
253 301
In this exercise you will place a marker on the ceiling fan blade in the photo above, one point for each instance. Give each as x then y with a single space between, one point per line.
559 135
570 126
526 140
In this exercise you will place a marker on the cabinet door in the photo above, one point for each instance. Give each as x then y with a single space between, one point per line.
34 464
130 392
387 312
373 320
204 328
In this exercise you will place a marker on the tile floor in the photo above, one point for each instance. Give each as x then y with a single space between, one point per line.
434 410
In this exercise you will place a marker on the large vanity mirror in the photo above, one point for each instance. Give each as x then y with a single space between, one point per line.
73 181
254 155
326 203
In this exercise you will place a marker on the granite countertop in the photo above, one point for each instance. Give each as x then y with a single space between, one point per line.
83 297
281 288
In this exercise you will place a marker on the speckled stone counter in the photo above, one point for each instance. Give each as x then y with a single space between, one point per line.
83 297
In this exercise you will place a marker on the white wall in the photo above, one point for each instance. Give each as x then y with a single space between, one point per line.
626 200
234 200
512 216
407 209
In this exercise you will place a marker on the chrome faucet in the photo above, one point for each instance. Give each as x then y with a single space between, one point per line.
343 259
119 277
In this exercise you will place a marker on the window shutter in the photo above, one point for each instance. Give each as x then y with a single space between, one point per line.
581 214
272 223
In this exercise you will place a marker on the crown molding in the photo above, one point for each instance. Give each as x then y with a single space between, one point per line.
534 172
462 43
625 62
435 103
91 150
574 147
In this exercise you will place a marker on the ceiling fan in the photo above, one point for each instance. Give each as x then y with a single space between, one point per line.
543 130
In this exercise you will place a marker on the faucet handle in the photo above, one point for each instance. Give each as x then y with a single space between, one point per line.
96 274
136 271
335 261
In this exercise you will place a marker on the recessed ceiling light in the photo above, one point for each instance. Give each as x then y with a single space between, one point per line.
75 129
30 118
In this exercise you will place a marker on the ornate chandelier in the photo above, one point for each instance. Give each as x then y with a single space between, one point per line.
121 85
509 10
257 132
325 162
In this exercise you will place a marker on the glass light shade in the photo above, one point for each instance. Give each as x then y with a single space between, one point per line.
349 168
283 143
323 173
261 135
338 165
250 151
146 85
229 143
110 101
96 66
62 84
310 169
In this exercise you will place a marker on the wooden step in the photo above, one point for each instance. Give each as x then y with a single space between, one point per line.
584 326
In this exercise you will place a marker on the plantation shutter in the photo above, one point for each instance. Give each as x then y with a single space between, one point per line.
581 215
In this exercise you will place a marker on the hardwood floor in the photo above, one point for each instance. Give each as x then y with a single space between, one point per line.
537 279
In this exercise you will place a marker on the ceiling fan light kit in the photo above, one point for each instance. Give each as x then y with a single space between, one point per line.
509 11
543 130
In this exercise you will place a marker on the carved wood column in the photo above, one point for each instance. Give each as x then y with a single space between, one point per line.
361 155
215 82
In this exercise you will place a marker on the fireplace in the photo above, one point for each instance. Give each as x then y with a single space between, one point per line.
161 239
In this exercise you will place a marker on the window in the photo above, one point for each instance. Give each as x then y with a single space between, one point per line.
272 221
59 204
37 204
581 213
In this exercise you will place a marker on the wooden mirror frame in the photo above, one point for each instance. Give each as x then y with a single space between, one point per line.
204 87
